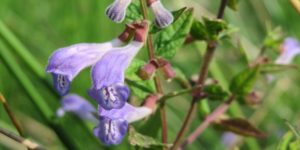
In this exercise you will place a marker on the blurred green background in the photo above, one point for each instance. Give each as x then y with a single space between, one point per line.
36 28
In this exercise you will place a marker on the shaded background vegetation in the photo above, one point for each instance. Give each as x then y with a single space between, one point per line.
40 27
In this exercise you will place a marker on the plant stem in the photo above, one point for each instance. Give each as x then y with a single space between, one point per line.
211 46
208 120
156 79
11 115
29 144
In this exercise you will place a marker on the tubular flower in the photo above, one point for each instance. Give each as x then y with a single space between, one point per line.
65 63
79 106
290 49
117 10
113 124
163 17
108 76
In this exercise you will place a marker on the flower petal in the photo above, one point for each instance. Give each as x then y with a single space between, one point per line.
79 106
111 131
163 17
117 10
291 48
108 73
66 63
128 112
111 97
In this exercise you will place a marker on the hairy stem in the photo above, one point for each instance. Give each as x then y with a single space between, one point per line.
156 79
208 120
211 46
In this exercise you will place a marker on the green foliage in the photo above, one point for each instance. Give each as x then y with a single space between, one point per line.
283 143
215 92
171 38
208 29
241 127
243 82
137 139
139 88
134 12
275 68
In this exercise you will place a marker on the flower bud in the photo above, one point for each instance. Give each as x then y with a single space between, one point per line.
163 17
117 10
166 68
147 71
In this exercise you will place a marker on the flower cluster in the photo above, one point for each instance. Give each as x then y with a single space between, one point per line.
117 12
109 61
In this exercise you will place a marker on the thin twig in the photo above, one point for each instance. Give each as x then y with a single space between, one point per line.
11 115
208 120
170 95
29 144
211 46
156 79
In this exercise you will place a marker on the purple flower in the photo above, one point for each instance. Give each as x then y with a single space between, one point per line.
79 106
163 17
113 123
67 62
117 10
108 74
290 49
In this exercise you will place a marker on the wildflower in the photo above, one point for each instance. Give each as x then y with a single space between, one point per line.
117 10
79 106
290 49
108 76
163 17
65 63
113 124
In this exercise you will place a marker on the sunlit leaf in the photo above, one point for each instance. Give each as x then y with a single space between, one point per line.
134 12
285 140
233 4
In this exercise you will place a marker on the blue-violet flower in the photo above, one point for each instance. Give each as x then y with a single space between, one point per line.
290 49
117 10
163 17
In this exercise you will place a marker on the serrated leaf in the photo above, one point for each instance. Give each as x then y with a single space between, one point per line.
215 92
241 127
138 87
233 4
171 38
137 139
243 82
274 38
134 12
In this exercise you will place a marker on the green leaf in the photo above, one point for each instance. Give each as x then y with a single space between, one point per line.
198 30
214 27
210 29
134 12
137 139
274 38
215 92
171 38
139 88
233 4
243 82
241 127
